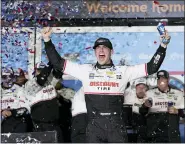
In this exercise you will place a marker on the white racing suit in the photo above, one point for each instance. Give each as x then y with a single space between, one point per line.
43 105
137 118
104 87
162 126
14 99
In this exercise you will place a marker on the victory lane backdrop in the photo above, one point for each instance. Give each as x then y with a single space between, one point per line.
132 45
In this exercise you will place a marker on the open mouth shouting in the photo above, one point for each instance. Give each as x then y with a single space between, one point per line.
101 57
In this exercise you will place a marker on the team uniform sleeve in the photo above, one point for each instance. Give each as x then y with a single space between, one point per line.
53 80
66 93
180 102
32 87
20 112
128 96
75 70
180 105
136 71
24 104
149 68
154 64
61 64
151 82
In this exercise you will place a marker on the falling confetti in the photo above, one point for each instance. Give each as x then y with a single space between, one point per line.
156 2
88 48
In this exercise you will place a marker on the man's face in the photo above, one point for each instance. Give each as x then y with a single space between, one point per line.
103 54
20 80
141 90
7 81
162 83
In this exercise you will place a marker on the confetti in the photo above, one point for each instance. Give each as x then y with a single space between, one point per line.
6 55
88 48
31 51
156 2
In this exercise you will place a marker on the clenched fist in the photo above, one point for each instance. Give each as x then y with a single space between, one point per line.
147 103
165 37
6 113
172 110
46 33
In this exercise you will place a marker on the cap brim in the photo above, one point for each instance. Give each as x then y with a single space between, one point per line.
141 83
162 76
102 43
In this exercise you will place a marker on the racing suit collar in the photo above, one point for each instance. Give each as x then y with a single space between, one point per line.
104 66
169 88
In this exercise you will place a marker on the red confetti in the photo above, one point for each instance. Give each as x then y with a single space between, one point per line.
52 17
25 9
39 21
87 48
155 42
156 2
164 23
31 51
19 10
56 11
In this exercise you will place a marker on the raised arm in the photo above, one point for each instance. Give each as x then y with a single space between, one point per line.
57 61
152 66
34 85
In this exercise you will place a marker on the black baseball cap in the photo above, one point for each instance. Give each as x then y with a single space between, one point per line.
103 41
163 73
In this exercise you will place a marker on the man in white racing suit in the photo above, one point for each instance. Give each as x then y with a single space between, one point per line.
44 104
135 95
104 85
15 116
167 108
